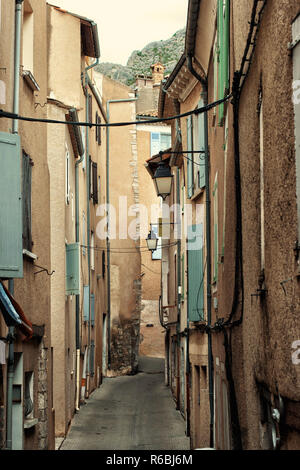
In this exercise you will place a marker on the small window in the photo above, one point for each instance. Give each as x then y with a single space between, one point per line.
90 109
28 396
67 177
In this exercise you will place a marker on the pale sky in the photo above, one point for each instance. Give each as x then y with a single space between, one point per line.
128 25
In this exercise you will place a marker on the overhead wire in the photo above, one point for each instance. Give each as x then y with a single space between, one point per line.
9 115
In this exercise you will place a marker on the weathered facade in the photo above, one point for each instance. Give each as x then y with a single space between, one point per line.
232 351
26 415
76 159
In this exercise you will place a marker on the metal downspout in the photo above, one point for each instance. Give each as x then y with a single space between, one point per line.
15 128
126 100
208 247
88 182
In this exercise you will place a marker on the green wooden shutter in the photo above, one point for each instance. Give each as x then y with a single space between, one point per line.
86 305
195 273
190 166
73 269
93 309
201 143
11 251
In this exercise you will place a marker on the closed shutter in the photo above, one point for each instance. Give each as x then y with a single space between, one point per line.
95 182
223 40
90 109
86 303
73 269
195 273
201 144
190 165
11 256
26 192
216 230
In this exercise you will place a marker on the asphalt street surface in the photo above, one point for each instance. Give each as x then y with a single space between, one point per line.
130 413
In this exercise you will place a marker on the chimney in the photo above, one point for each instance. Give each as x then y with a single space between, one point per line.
157 72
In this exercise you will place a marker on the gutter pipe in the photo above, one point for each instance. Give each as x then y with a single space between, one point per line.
126 100
15 128
204 84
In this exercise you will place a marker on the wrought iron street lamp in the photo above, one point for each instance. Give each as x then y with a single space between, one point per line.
152 241
163 180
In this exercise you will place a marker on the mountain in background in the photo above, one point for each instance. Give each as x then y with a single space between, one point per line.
167 52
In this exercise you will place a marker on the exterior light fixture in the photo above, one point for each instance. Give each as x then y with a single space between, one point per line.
152 241
163 180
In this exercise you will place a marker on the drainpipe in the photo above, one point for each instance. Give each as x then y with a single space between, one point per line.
126 100
204 84
88 182
15 128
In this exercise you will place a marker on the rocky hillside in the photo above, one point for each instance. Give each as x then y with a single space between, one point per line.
167 52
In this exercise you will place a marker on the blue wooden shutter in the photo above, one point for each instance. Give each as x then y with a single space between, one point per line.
92 309
11 250
86 304
190 169
201 144
73 269
195 273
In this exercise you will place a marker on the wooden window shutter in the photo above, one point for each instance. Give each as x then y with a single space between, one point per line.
95 181
195 273
11 256
26 190
90 109
190 164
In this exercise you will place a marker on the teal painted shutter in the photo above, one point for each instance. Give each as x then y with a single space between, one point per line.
11 251
195 273
93 309
73 269
201 143
190 169
182 278
86 305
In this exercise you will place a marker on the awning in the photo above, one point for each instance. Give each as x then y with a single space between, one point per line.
13 314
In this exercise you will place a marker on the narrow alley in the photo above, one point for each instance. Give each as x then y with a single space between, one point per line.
130 413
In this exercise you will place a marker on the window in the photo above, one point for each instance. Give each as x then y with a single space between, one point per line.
28 37
159 142
92 310
26 200
73 269
93 181
90 109
223 53
103 264
196 162
86 303
262 187
195 290
83 135
98 129
28 396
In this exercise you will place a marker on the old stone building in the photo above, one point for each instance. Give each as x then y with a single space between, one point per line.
234 328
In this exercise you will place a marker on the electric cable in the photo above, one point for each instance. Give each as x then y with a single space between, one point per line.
8 115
